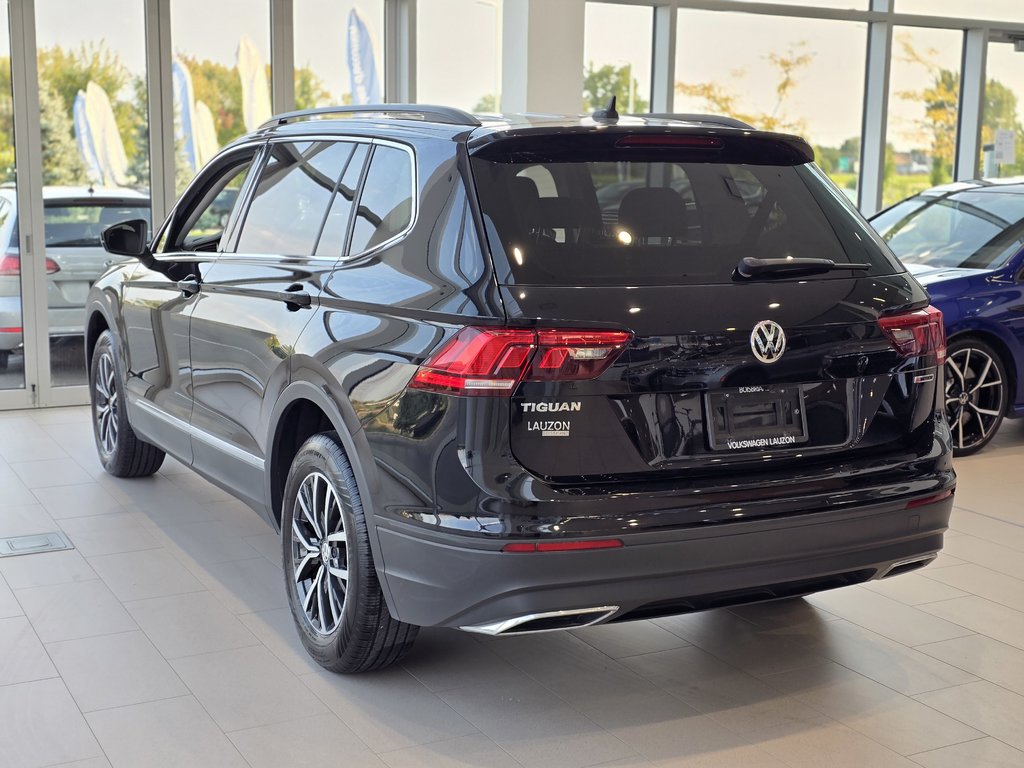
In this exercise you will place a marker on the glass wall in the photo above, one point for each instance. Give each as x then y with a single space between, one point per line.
458 54
95 131
12 359
924 92
221 76
1003 113
617 57
339 52
782 74
996 10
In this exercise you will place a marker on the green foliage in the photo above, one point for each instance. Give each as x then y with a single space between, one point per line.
62 163
488 104
600 84
68 71
310 91
220 88
1000 113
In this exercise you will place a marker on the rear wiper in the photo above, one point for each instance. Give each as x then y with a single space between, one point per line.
750 267
82 241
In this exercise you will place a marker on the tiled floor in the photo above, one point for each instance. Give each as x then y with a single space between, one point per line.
163 638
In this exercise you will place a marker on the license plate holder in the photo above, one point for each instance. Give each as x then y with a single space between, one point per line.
756 418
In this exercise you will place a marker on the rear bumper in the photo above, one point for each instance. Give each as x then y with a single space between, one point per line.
437 579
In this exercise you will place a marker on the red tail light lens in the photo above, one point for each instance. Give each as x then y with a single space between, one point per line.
929 500
10 265
492 361
914 334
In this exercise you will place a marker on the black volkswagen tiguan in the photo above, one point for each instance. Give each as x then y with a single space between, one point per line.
516 374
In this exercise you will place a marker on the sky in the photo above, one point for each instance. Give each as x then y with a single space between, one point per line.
726 48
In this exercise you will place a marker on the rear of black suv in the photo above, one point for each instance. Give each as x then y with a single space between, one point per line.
712 385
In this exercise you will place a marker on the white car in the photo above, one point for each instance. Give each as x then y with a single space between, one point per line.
73 219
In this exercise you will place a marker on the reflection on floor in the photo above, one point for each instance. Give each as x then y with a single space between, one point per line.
164 639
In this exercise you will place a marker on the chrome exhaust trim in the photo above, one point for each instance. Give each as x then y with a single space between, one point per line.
587 617
920 562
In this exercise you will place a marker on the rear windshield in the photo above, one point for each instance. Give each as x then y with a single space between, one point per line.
81 225
970 229
651 221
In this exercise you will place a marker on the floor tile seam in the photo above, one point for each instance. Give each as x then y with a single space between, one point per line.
915 755
331 712
988 516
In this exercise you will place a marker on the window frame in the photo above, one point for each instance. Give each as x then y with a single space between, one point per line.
170 232
415 197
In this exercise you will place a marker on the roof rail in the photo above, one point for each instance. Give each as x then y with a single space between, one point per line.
727 122
423 112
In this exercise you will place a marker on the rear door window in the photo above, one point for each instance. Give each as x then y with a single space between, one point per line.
336 225
292 197
631 219
385 208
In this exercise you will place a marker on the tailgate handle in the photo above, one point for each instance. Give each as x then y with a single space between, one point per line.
189 286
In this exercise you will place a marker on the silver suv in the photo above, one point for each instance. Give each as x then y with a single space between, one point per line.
73 218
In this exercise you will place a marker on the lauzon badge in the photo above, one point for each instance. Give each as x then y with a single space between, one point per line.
768 341
551 428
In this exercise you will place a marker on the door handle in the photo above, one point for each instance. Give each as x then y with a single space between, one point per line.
189 286
295 297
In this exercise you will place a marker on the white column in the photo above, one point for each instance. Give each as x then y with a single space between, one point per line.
282 55
400 51
159 55
542 56
876 111
663 69
972 101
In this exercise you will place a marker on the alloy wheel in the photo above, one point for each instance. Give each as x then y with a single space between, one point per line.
319 553
974 396
107 402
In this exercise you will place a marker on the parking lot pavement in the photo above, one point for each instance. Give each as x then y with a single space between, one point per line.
67 363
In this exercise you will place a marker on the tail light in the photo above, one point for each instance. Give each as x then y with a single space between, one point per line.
492 361
10 265
914 334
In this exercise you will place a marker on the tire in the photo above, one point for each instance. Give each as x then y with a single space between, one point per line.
5 356
976 394
352 631
122 453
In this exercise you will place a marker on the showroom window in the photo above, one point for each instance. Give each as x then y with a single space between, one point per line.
1003 105
1003 10
924 90
339 52
617 57
782 74
458 63
95 131
220 77
292 196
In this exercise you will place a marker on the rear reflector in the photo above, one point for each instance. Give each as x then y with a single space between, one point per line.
492 361
10 330
928 500
915 334
654 141
562 546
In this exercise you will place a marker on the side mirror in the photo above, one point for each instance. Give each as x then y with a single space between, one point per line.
127 238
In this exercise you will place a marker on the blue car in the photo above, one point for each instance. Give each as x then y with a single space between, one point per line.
965 243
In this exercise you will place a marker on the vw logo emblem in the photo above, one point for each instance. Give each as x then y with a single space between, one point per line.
768 341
